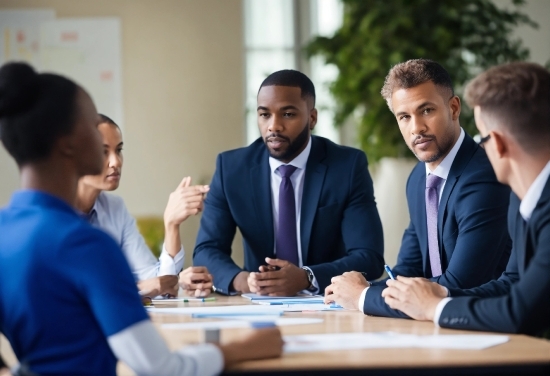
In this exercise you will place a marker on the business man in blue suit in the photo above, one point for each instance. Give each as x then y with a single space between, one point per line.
304 205
512 109
457 233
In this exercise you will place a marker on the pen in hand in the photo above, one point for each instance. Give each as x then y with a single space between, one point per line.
388 270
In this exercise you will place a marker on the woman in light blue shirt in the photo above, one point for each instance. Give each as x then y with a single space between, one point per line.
109 213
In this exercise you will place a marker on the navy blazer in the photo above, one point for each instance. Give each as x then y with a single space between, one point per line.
340 229
474 245
519 301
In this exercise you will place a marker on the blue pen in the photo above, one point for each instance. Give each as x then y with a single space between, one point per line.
390 273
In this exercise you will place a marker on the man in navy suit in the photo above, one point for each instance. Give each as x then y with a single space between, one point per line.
457 233
304 205
512 110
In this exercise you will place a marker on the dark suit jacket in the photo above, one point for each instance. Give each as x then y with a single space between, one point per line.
340 227
519 301
474 245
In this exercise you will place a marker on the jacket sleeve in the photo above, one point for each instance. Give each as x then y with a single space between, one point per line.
216 233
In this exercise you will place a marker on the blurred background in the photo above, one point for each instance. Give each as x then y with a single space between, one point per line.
181 77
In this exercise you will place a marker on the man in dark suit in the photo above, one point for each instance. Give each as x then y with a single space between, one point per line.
304 205
457 233
512 109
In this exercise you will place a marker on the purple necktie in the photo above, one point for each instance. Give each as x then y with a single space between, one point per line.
432 206
286 244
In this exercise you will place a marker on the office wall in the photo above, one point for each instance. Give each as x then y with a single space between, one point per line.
183 83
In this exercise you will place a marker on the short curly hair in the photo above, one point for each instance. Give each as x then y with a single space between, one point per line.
414 72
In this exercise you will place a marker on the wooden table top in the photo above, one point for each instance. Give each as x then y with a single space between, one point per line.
519 351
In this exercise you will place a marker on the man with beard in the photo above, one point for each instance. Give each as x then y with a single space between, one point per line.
304 205
457 234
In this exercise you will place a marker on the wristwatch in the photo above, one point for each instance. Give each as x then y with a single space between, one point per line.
310 276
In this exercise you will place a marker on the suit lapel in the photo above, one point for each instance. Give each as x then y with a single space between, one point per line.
463 156
260 183
313 185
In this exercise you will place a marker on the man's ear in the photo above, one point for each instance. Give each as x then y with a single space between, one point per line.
455 105
312 118
501 145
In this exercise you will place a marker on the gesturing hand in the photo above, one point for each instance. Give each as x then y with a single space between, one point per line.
416 297
184 202
196 281
278 278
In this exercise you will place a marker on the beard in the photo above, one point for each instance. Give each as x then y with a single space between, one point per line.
443 146
294 146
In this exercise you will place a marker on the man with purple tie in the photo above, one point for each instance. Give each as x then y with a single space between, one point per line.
457 234
304 205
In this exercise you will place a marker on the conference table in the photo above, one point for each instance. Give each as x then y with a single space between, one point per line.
520 355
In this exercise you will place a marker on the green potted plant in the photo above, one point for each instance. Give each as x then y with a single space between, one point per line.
465 36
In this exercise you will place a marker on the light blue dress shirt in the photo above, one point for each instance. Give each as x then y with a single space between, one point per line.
109 213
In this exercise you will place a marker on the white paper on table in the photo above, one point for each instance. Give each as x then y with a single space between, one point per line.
264 297
240 322
244 309
347 341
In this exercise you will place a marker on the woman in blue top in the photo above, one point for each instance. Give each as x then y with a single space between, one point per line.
109 213
68 301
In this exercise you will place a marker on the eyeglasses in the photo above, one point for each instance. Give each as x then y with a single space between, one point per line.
484 140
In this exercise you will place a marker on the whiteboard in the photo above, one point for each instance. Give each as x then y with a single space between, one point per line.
87 50
20 34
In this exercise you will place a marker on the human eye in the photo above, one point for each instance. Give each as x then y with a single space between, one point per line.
403 117
289 114
263 115
427 111
119 151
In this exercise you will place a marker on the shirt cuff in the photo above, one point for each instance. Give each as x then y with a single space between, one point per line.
169 265
200 353
314 289
361 303
439 309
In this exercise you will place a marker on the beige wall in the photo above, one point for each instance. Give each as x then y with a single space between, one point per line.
183 66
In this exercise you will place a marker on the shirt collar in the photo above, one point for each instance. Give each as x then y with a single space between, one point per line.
443 169
533 194
299 162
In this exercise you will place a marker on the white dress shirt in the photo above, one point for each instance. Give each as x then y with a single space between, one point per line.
442 170
526 208
110 214
297 179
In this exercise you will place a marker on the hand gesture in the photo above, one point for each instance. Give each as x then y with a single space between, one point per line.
184 202
346 289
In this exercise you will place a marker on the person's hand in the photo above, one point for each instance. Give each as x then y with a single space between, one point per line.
184 202
240 283
196 281
288 280
261 344
164 285
416 297
346 289
5 372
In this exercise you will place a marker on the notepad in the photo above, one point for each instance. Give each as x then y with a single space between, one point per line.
239 323
348 341
266 297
